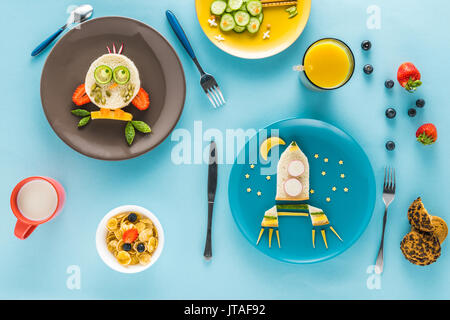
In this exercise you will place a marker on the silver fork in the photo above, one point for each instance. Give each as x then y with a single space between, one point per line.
388 197
207 81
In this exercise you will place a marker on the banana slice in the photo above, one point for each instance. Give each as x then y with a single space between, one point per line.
268 144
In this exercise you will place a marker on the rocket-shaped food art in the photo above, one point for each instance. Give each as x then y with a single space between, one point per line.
292 175
293 185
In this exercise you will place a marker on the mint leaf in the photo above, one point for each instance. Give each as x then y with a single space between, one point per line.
129 133
80 113
84 121
141 126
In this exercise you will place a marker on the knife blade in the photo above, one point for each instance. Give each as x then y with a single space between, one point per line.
212 187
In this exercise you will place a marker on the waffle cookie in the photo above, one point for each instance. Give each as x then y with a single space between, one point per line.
422 245
421 248
418 216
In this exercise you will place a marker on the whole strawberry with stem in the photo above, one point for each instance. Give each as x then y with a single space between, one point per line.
427 134
408 76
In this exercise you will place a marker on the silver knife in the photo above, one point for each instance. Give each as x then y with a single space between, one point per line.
212 186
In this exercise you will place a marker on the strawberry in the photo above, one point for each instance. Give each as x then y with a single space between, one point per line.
141 101
130 235
427 134
79 96
408 76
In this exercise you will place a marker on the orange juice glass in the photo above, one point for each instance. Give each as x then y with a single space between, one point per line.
327 64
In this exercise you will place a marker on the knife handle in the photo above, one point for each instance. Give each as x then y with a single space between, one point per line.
208 246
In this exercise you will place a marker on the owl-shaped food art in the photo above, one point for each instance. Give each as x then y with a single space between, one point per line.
112 83
293 175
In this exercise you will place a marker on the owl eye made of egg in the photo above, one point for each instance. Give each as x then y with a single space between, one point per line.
104 74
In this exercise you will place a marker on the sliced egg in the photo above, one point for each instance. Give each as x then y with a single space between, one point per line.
293 187
296 168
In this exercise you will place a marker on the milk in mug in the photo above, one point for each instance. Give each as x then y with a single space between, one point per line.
37 200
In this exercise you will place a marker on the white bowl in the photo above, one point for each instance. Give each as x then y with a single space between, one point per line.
108 257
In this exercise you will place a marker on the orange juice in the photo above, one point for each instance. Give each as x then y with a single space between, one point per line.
328 63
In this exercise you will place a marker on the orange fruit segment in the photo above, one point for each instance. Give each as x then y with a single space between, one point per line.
112 115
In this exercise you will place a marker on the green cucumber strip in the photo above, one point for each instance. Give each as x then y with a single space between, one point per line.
292 207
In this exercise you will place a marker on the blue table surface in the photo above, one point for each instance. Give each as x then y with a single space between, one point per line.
259 93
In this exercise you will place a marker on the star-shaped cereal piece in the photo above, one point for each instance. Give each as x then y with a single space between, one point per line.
247 176
325 160
312 191
259 193
345 189
316 156
252 166
342 175
328 199
219 38
341 162
249 189
334 188
324 173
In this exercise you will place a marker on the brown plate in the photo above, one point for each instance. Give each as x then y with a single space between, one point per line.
161 74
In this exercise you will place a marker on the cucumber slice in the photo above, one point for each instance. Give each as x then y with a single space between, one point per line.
254 7
218 7
239 29
121 75
227 22
235 4
241 18
260 17
253 25
103 74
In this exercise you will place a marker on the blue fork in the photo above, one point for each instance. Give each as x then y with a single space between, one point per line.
207 81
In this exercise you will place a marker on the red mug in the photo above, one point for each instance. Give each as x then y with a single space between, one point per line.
24 226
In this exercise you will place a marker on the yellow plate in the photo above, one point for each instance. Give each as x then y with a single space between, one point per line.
283 31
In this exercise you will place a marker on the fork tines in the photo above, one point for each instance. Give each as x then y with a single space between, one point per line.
215 96
389 180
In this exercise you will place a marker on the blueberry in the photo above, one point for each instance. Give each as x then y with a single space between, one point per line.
368 69
391 113
140 247
389 84
390 145
132 217
366 45
126 247
420 103
412 112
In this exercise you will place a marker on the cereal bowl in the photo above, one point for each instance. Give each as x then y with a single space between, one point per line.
102 245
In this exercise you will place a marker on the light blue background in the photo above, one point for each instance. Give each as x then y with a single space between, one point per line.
259 93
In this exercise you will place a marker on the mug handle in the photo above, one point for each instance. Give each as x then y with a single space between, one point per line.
23 230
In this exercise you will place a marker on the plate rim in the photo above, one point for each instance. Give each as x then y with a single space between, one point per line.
254 56
371 198
68 143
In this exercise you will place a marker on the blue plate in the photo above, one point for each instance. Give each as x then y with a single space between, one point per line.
331 154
